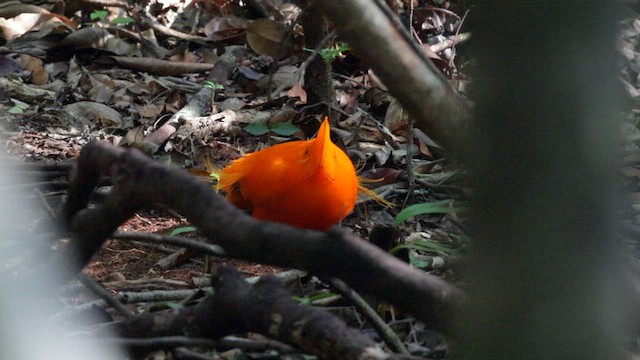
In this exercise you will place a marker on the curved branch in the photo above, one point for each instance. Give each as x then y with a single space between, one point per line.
414 80
266 308
139 181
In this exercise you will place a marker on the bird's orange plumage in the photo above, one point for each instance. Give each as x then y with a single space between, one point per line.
310 184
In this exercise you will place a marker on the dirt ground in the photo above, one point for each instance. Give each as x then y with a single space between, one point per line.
120 260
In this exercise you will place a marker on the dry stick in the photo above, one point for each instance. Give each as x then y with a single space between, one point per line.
410 174
450 42
105 295
161 248
232 342
154 343
149 47
170 260
384 330
133 297
402 31
70 289
167 342
139 181
175 259
146 283
210 249
453 47
182 353
151 22
414 80
266 308
200 103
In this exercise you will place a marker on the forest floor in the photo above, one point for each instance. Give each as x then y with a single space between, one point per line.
64 85
69 77
83 95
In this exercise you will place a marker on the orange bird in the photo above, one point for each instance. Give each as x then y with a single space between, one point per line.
310 184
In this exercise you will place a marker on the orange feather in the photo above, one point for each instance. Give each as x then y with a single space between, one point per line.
310 184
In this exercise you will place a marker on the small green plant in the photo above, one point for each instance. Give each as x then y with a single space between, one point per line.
215 175
416 249
174 305
18 107
183 230
308 300
425 245
331 53
437 207
282 129
122 20
213 85
98 15
416 262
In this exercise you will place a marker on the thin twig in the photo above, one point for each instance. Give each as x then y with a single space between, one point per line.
105 295
229 342
386 333
209 249
410 175
51 213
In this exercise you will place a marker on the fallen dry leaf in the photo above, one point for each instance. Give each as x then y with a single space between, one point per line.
267 37
224 28
96 113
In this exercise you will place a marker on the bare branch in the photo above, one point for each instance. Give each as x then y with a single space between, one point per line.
138 181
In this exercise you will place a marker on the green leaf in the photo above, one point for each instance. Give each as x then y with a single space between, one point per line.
438 207
98 14
256 129
122 20
213 85
284 128
215 175
426 246
461 238
308 300
18 107
16 110
183 230
331 53
417 263
20 104
174 305
304 300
